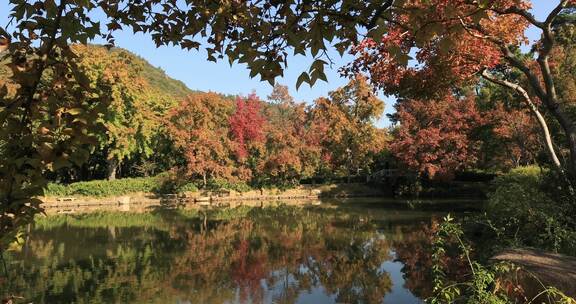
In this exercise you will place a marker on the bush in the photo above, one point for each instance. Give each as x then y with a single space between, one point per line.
161 183
174 182
523 212
221 184
475 281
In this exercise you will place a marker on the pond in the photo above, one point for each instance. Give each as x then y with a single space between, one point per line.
331 253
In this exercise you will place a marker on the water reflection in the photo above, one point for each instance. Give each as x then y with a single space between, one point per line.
270 255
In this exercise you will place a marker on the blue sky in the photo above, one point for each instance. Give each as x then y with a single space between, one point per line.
192 68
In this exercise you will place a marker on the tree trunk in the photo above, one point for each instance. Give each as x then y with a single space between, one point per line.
572 144
541 121
569 129
112 167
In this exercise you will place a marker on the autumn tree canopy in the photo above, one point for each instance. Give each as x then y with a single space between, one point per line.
454 43
199 126
435 136
347 119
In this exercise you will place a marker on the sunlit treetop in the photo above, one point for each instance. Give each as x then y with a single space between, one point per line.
431 46
261 34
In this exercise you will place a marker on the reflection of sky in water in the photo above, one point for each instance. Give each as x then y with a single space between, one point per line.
399 294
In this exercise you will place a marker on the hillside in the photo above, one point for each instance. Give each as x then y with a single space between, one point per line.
155 76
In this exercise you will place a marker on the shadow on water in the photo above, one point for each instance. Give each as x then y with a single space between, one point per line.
332 253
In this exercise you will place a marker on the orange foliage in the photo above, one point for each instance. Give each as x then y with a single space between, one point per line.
199 127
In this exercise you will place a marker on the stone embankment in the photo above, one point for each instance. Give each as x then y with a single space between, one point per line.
146 201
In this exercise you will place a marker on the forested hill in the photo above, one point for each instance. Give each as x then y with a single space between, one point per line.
155 75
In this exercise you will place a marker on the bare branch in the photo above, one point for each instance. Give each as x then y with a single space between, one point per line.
524 13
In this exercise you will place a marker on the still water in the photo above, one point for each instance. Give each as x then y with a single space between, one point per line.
332 253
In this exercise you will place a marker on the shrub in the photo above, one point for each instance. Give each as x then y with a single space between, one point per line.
102 188
523 212
174 182
494 283
221 184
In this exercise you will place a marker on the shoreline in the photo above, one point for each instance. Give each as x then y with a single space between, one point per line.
148 202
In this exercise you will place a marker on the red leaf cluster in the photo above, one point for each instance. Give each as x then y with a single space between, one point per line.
434 137
246 124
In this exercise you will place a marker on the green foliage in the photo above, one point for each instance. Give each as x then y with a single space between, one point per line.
480 283
102 188
479 289
222 184
162 183
523 212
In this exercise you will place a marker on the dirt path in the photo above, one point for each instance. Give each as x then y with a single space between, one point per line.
551 269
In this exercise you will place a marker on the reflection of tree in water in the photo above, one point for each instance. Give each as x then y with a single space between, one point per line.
414 250
280 253
269 252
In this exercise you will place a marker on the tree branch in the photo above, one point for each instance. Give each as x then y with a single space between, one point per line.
372 23
5 40
534 109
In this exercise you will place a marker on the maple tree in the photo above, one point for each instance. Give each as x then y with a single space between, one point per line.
347 120
290 150
199 127
246 124
455 42
517 132
435 136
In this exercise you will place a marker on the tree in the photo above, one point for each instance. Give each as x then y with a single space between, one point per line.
199 128
435 137
290 151
510 136
455 42
46 121
280 95
515 130
131 118
246 124
347 117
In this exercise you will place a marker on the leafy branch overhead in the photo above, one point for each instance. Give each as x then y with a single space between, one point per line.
261 34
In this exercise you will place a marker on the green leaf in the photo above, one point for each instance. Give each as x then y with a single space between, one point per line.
74 111
304 77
